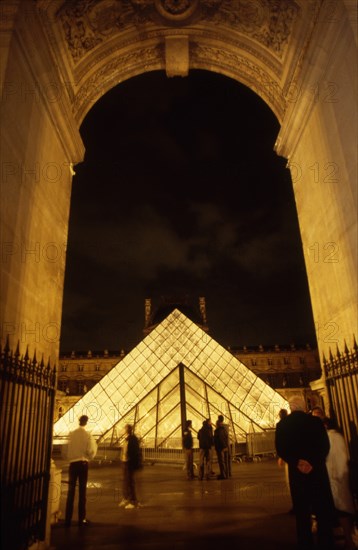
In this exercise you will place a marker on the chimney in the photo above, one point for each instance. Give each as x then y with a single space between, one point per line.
147 312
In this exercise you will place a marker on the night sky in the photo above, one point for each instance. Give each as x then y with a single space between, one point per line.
181 194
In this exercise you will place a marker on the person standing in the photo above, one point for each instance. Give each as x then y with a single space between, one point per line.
81 449
132 461
338 472
302 441
188 449
318 411
205 438
282 414
212 448
221 442
228 452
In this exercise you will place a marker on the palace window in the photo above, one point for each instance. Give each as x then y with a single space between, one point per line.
62 385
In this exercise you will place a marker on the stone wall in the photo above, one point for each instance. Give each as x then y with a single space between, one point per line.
39 141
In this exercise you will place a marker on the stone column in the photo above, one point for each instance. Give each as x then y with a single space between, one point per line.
39 143
318 137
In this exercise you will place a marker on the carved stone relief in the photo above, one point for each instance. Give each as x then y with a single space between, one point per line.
269 22
101 81
88 23
244 70
176 9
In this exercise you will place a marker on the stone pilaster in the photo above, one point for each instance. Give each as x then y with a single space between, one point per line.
318 137
40 142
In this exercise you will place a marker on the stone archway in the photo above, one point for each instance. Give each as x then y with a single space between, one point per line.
59 57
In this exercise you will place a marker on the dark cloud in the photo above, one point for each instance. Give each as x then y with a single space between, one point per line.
181 193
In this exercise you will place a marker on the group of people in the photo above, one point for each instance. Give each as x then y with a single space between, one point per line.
308 444
316 458
210 440
82 448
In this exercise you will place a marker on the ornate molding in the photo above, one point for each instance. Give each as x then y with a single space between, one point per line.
136 61
108 75
88 23
176 10
269 22
241 68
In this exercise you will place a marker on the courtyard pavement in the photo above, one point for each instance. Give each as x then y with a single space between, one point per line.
249 511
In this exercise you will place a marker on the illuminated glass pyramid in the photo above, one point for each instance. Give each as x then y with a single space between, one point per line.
176 372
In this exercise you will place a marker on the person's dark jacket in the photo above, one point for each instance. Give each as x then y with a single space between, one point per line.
205 437
134 453
302 436
187 439
221 440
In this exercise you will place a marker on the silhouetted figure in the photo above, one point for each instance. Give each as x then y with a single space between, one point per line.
205 437
228 453
221 442
282 414
338 472
131 459
318 411
212 448
81 448
188 449
302 442
353 462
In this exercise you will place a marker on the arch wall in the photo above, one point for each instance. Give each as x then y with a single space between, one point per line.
60 57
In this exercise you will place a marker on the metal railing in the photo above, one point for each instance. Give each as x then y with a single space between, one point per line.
261 443
27 393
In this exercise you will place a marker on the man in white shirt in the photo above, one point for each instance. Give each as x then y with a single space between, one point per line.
81 448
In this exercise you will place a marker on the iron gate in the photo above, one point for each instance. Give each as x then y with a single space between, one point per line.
27 394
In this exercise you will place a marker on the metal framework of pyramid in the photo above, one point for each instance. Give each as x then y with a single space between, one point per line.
177 372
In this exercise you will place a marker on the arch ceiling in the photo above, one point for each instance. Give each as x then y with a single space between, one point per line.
99 43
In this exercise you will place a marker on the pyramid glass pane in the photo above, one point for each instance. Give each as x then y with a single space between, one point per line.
169 383
167 404
169 423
